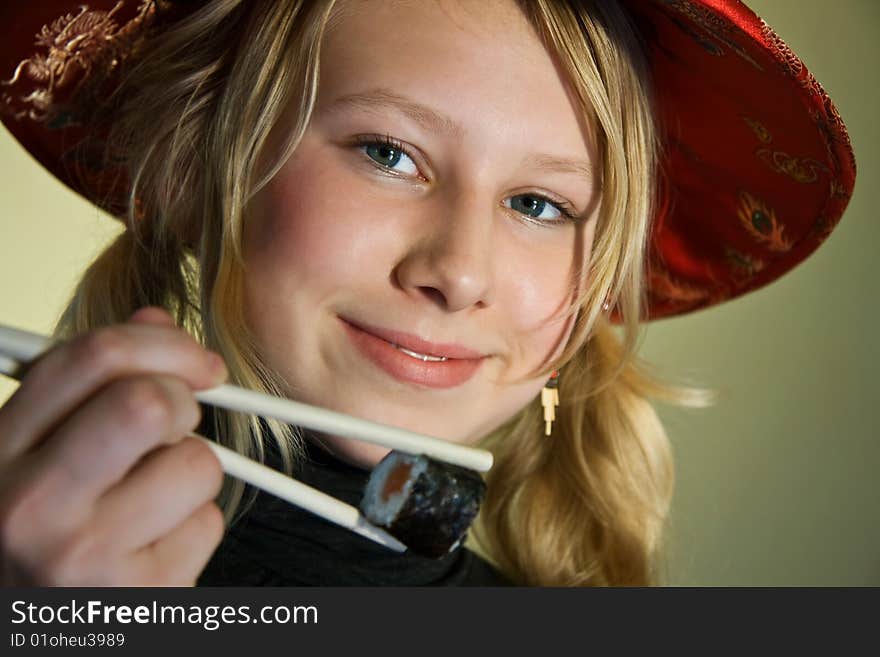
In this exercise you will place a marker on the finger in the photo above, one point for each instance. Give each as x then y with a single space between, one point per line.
180 556
31 519
160 493
70 373
103 439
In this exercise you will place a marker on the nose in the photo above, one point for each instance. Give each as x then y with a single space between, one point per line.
450 262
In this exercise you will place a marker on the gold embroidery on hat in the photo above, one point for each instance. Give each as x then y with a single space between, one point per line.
790 63
838 190
760 221
664 284
834 135
825 115
742 265
800 169
760 130
822 228
716 26
803 170
80 49
793 67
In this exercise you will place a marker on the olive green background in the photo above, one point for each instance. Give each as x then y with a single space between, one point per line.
776 484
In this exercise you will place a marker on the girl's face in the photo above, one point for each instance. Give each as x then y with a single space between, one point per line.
411 262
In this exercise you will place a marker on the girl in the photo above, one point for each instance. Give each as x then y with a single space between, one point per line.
415 213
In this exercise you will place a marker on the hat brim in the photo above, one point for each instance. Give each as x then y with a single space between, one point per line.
757 166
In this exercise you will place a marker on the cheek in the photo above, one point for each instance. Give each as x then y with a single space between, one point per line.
305 231
544 288
542 294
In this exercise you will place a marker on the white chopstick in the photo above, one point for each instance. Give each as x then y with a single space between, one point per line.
320 419
15 348
301 495
24 346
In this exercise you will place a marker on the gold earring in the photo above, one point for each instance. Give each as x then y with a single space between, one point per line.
550 400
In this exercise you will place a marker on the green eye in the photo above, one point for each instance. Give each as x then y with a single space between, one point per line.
385 155
534 207
530 205
388 154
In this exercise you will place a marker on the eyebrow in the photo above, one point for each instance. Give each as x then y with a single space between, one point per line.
382 100
560 164
378 100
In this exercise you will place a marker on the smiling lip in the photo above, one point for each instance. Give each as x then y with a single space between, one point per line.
378 345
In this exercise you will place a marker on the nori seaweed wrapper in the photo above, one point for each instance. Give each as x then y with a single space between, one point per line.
441 504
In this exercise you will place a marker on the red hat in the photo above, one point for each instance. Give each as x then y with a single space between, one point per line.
757 165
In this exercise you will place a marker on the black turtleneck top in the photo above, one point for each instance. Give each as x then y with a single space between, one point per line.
278 544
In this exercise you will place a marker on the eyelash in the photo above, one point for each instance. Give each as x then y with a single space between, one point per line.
566 210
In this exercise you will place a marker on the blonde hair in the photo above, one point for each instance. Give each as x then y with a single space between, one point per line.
192 122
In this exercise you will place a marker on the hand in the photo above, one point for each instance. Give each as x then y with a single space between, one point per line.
98 485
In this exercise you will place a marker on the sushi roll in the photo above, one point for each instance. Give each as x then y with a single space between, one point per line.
428 505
